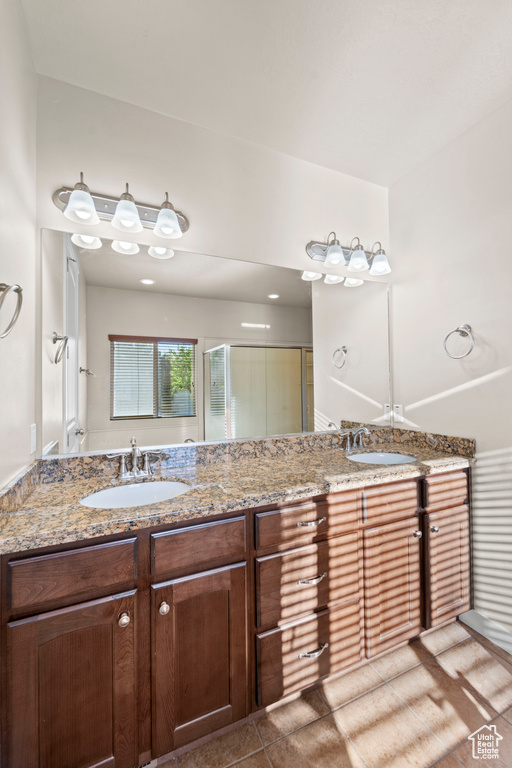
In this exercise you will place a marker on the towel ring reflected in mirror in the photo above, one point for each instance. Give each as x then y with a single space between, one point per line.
462 330
5 290
339 357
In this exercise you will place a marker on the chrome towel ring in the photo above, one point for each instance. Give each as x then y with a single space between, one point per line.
339 357
63 344
462 330
5 290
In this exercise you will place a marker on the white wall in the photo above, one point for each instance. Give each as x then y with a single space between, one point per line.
145 313
451 235
244 201
355 318
17 239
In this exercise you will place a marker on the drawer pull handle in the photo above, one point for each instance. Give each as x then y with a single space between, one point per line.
311 523
313 582
417 534
314 654
434 528
164 609
124 620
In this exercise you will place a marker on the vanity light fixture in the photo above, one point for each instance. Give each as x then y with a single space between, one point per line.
334 253
87 241
126 217
127 249
146 281
358 261
353 282
355 258
84 207
159 252
333 279
80 205
167 224
310 276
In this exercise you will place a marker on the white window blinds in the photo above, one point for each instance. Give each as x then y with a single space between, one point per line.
152 377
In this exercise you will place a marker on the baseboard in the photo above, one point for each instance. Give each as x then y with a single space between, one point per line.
489 629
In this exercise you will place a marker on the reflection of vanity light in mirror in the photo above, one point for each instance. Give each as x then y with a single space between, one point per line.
121 246
333 279
157 252
310 276
353 282
87 241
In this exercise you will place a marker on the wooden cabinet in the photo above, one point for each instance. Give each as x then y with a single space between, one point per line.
392 584
199 644
71 687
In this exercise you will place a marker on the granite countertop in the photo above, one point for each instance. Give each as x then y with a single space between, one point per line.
52 514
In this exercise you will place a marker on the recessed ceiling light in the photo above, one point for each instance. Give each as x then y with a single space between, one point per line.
273 296
254 325
147 281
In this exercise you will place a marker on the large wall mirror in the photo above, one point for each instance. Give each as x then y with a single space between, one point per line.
194 347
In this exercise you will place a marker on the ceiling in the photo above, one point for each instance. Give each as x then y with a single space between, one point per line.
195 274
366 87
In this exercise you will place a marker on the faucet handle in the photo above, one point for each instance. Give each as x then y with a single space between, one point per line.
147 466
122 463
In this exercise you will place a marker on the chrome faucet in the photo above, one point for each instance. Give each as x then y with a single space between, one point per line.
135 470
357 435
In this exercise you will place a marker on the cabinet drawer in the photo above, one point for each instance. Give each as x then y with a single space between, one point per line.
387 503
448 490
172 551
333 638
304 524
37 583
333 569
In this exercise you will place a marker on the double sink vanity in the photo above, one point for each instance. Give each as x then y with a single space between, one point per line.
136 627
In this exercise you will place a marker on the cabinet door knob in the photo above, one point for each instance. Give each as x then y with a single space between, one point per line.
313 582
164 609
314 654
417 534
124 620
434 528
311 523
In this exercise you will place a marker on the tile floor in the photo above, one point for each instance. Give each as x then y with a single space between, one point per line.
413 708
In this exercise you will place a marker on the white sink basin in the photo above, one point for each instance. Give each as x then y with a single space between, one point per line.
374 457
135 495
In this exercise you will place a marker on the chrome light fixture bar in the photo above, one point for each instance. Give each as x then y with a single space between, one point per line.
106 208
356 258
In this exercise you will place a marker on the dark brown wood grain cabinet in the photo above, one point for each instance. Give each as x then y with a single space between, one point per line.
71 687
199 655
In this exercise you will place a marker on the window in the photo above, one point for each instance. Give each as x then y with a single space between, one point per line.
152 378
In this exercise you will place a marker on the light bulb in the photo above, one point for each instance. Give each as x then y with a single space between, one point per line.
358 261
127 249
334 253
380 264
333 279
126 217
86 241
158 252
311 275
353 282
167 224
80 207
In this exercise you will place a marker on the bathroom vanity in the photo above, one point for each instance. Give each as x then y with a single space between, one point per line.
122 647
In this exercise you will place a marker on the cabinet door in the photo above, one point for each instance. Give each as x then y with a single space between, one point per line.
71 687
447 564
392 584
199 655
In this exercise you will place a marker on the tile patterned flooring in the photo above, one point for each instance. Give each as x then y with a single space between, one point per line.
413 708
